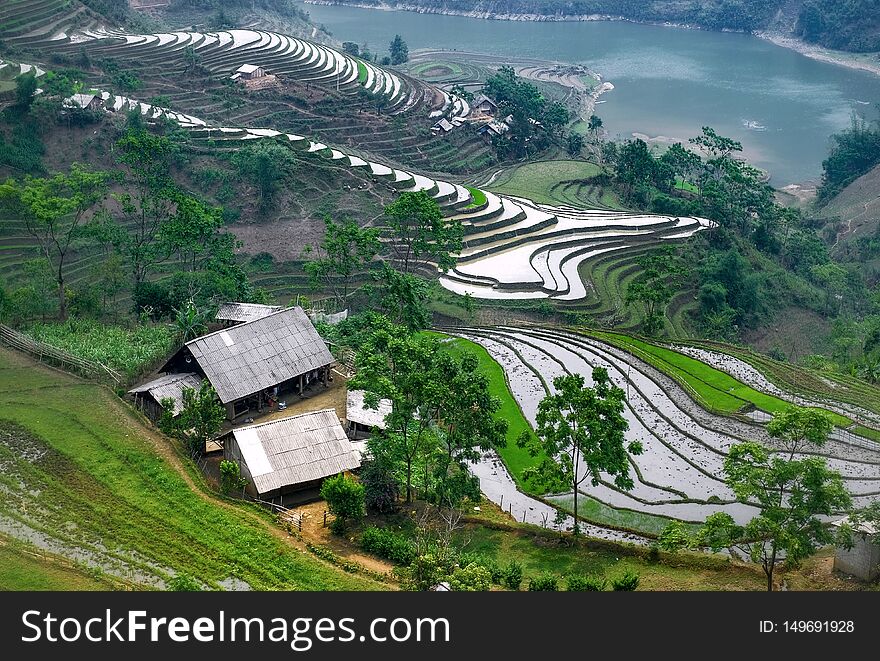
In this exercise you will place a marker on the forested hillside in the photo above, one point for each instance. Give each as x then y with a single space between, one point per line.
843 24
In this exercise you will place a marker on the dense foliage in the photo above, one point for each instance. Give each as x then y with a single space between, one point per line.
853 153
852 25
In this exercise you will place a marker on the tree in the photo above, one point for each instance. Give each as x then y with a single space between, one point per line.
200 418
580 433
797 426
345 500
148 201
635 167
594 125
399 50
266 164
347 249
231 478
791 496
663 271
381 489
25 88
54 211
351 48
403 298
189 230
395 365
683 163
575 143
468 427
419 231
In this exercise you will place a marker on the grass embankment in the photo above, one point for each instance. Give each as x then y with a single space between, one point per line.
81 468
126 350
540 551
713 389
362 72
538 181
478 197
625 519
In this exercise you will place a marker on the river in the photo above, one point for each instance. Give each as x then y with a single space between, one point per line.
668 81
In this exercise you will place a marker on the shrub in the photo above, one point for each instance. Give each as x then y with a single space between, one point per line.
231 478
388 544
345 500
513 575
545 582
625 582
472 578
381 489
580 583
184 583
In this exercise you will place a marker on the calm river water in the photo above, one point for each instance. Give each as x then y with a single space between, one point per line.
668 81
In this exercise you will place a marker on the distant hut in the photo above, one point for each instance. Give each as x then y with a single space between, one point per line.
148 397
231 314
248 72
443 126
291 455
82 102
484 105
258 360
361 419
863 559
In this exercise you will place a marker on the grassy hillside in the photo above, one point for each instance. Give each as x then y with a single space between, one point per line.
85 478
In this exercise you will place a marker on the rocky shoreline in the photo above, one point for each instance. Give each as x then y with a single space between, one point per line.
841 58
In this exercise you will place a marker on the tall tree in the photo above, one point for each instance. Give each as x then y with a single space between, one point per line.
468 426
419 231
403 297
581 434
797 427
399 50
347 249
189 231
147 202
201 417
398 366
662 273
267 165
791 496
55 211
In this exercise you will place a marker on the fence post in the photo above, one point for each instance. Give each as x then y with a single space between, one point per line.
325 519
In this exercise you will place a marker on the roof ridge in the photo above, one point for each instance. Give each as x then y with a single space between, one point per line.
243 324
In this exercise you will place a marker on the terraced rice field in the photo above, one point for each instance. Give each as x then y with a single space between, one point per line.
680 473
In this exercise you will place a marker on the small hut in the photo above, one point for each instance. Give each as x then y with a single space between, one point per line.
257 361
148 397
248 72
233 313
291 455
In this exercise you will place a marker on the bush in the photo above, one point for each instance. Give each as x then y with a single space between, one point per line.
388 544
231 478
625 582
184 583
345 500
545 582
381 489
472 578
580 583
513 575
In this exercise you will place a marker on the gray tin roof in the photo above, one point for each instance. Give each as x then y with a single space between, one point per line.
247 358
243 312
296 449
171 385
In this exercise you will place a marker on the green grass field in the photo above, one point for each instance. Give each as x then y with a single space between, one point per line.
598 512
715 390
536 181
25 568
362 72
80 467
478 197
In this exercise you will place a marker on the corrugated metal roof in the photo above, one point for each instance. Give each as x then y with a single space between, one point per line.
171 385
244 312
355 411
297 449
247 358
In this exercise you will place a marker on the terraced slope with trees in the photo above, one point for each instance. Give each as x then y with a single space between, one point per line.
685 413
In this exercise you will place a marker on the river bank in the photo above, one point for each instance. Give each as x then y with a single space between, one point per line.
869 62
